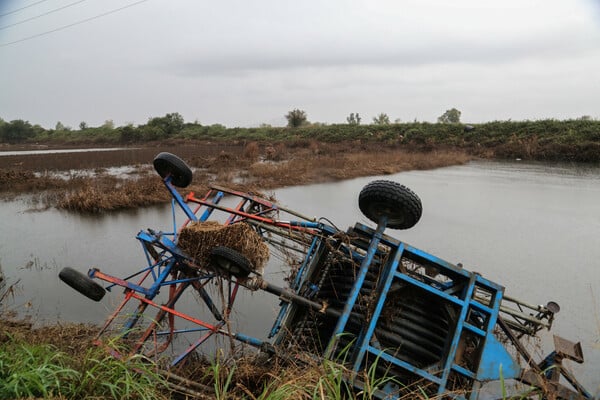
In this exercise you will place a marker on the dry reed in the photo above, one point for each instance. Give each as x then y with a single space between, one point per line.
222 163
124 195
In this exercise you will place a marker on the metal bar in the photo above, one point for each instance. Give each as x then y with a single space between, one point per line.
360 279
177 313
193 346
270 221
195 211
430 289
571 379
110 319
96 273
474 329
248 339
309 256
521 315
238 208
404 365
160 315
535 307
207 300
554 389
207 213
277 324
457 334
393 242
231 298
296 235
388 277
291 296
263 202
518 345
463 371
177 197
178 331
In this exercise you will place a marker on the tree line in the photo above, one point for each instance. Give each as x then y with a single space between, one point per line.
575 139
157 128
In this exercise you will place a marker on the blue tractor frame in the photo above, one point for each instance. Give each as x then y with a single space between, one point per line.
359 297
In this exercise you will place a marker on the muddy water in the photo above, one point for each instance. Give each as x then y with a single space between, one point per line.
58 151
534 228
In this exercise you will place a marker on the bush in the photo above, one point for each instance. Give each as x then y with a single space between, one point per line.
16 131
296 118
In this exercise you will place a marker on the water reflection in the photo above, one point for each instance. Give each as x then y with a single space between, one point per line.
531 227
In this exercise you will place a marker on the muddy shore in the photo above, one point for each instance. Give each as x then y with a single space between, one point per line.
92 181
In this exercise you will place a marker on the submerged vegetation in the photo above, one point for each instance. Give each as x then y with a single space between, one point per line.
88 185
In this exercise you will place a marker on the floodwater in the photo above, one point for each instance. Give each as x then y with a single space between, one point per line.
534 228
58 151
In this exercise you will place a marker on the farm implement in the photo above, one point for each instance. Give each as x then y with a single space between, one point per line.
358 297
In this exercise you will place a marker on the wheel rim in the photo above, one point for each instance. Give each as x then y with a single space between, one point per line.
228 266
394 215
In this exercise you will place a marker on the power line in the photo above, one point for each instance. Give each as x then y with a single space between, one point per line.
22 8
42 15
73 24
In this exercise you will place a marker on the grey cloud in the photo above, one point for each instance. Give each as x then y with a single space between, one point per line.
233 61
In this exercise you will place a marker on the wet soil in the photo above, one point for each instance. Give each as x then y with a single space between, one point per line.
81 182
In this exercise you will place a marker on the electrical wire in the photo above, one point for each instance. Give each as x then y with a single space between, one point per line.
73 24
22 8
42 15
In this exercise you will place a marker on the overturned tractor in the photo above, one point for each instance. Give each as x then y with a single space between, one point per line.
359 297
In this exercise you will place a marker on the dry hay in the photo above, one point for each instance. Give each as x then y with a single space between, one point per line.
199 238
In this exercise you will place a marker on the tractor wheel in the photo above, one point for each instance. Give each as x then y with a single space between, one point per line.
230 261
167 164
82 283
399 204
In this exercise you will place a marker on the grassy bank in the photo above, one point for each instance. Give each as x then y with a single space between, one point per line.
59 362
569 140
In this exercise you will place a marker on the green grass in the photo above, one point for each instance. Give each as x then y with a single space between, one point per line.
34 371
41 370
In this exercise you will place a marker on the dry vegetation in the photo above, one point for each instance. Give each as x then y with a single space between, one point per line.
240 165
239 377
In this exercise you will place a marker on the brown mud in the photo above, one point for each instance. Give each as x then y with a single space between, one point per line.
240 165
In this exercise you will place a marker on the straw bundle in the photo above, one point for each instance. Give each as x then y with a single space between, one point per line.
199 238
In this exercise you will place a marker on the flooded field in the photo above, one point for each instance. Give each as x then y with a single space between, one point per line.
531 227
57 151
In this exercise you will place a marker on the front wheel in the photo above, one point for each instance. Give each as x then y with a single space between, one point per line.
82 283
399 204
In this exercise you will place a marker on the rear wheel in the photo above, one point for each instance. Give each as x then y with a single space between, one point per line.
399 204
230 261
167 164
82 283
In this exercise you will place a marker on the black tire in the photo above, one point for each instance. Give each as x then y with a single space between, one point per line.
399 204
230 261
167 164
82 283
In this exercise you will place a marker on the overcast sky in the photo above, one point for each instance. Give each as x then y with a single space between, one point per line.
243 63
